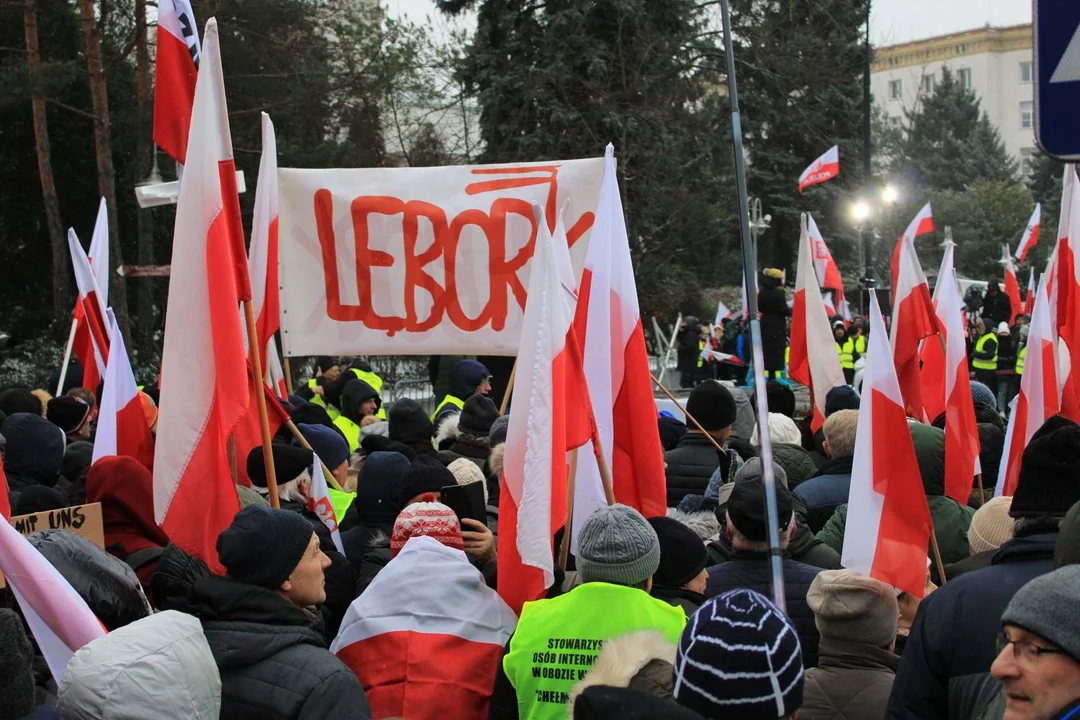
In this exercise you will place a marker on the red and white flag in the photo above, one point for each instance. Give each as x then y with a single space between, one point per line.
721 310
932 352
1029 300
206 392
608 328
121 427
60 619
175 73
426 635
82 344
1012 285
888 522
1038 398
824 168
914 318
550 383
92 348
1066 278
1031 234
319 503
813 360
828 273
5 501
922 224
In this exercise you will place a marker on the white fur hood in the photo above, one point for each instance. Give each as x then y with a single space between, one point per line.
623 657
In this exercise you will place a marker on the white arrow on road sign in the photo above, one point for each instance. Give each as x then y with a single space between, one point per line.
1068 69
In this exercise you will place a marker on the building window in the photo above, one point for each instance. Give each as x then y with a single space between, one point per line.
1025 72
961 49
927 84
1025 114
1025 160
963 76
896 89
895 121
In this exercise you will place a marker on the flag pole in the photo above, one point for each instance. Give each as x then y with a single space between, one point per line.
509 389
307 446
937 553
749 273
689 417
982 493
288 374
571 477
260 399
67 357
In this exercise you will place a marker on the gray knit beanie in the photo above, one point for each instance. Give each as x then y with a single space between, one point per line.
751 471
617 545
1046 606
497 434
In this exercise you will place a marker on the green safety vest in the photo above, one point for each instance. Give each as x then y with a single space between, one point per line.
340 501
990 364
375 382
317 399
351 430
557 641
701 348
846 351
448 400
1020 360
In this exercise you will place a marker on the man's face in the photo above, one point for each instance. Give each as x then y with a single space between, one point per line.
307 583
1036 686
333 373
369 407
484 387
838 333
341 473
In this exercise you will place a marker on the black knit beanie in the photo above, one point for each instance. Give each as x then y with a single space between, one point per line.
425 474
841 397
409 424
1049 481
289 463
263 546
780 398
477 416
712 405
16 667
67 413
682 553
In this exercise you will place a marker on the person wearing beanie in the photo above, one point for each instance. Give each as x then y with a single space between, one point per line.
782 429
773 306
34 454
952 638
694 460
292 466
739 657
426 519
856 617
829 487
264 626
358 400
781 398
990 527
331 448
70 414
411 427
469 434
467 378
19 400
680 578
746 529
688 360
557 640
423 482
466 473
1039 663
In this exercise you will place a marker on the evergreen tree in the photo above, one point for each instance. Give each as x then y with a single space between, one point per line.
1044 181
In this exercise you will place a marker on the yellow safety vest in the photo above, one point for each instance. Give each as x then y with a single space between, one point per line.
340 501
376 383
860 344
846 351
317 399
351 430
448 400
980 346
1020 360
701 349
557 641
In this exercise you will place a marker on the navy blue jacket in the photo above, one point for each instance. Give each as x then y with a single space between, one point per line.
825 492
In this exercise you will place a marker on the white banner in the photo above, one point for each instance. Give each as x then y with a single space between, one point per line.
418 261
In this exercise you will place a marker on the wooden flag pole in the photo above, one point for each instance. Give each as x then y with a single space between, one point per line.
67 357
307 446
937 554
260 398
231 452
571 478
288 374
509 389
982 493
687 412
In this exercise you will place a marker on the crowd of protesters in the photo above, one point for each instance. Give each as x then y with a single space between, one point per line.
659 617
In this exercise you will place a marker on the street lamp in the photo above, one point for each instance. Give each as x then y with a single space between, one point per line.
860 211
889 194
758 223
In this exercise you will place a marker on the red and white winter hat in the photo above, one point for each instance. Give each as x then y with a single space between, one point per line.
426 518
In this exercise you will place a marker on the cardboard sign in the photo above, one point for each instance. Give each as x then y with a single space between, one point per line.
418 261
82 520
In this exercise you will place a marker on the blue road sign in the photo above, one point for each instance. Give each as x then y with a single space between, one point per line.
1057 77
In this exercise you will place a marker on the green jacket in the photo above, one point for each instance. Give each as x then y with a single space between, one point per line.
951 522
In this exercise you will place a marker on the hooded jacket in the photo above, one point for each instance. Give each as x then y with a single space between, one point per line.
691 465
376 504
465 378
273 662
354 394
35 451
851 682
826 491
77 458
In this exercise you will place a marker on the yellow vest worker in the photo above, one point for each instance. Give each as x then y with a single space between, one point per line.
317 399
374 381
467 377
1020 360
846 351
986 353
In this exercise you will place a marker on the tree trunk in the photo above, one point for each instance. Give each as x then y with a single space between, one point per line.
61 260
144 151
103 145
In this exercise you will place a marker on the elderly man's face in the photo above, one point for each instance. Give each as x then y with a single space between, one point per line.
1037 678
307 583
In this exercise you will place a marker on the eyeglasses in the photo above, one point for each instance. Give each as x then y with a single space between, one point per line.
1025 651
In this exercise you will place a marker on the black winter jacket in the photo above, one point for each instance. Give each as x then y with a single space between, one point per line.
688 600
772 303
953 639
751 570
803 548
690 466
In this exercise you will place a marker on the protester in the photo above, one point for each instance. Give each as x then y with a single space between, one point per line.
739 658
358 400
331 448
160 666
292 466
772 304
37 498
376 505
990 527
952 638
856 617
748 566
797 463
73 470
18 697
35 452
410 431
742 430
19 400
688 358
996 306
829 488
1006 364
617 554
692 463
466 473
469 434
845 348
467 378
263 623
70 414
782 429
680 578
125 489
781 399
604 702
984 359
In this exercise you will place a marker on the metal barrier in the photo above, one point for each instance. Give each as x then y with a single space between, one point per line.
418 390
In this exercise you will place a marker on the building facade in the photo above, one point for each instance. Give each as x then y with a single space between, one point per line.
994 62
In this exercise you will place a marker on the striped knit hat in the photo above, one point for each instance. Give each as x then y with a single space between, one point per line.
739 656
424 518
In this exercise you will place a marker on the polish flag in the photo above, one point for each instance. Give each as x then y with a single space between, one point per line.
1029 301
828 274
83 344
608 328
1038 398
961 433
1031 234
175 73
913 319
1067 290
922 224
721 309
426 635
932 353
122 428
888 522
60 619
319 503
91 308
813 361
824 168
5 501
1012 285
203 357
551 384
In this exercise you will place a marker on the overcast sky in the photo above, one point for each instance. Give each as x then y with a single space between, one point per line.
892 21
